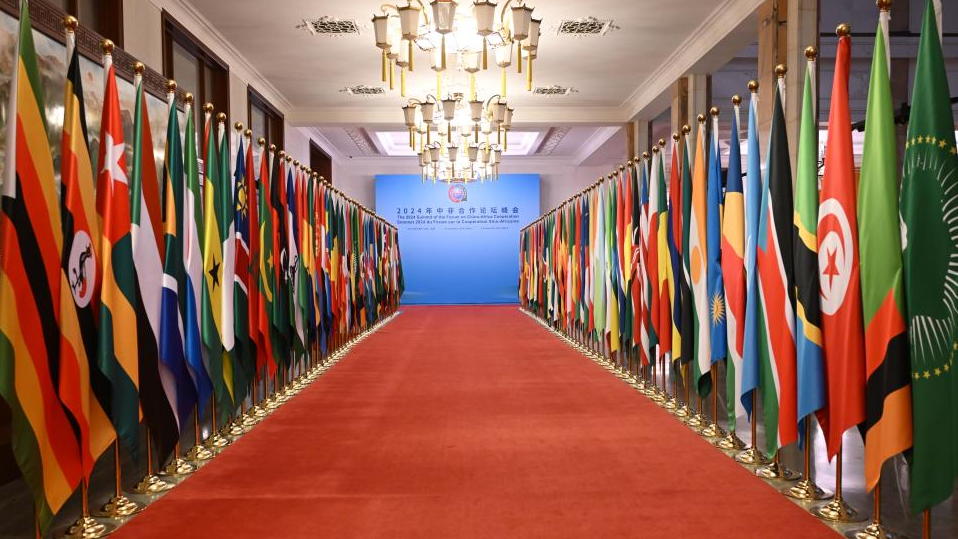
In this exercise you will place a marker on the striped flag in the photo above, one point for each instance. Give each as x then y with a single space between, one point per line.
267 276
598 263
677 285
752 332
842 337
687 352
174 370
888 406
245 351
810 370
117 349
663 316
733 271
43 441
928 204
83 390
157 384
777 285
227 230
645 298
191 297
698 258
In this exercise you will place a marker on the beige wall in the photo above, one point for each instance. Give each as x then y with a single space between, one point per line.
143 38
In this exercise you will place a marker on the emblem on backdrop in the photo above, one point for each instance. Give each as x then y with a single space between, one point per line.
457 193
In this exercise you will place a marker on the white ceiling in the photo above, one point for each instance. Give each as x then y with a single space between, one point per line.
617 76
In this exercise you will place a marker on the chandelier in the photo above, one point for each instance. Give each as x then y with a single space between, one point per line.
462 148
465 34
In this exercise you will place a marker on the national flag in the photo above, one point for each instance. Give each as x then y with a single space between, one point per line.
677 284
598 263
698 268
838 270
244 368
687 328
733 270
117 350
653 264
157 396
611 270
226 218
752 333
776 288
82 389
715 202
929 201
43 441
663 332
810 370
191 299
645 286
888 405
174 370
266 261
213 271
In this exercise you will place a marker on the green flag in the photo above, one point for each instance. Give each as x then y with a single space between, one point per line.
929 214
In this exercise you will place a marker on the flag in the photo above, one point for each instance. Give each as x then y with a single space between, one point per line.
776 289
810 370
646 330
226 219
663 331
733 271
83 390
598 263
929 201
174 371
267 275
44 444
212 293
752 333
713 217
888 411
654 265
191 299
687 352
157 396
117 350
698 259
674 238
838 271
245 352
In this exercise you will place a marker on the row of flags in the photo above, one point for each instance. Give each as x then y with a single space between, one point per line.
835 296
130 298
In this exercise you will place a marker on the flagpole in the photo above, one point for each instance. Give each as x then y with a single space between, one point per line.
837 510
151 483
806 489
712 430
118 505
752 455
875 530
731 441
216 440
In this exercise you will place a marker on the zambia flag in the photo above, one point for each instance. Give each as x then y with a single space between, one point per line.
43 441
929 211
888 419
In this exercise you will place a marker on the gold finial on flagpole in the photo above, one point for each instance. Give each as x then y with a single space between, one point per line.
675 137
753 86
701 118
107 46
843 30
645 156
811 52
662 142
714 111
238 126
686 129
208 108
221 117
655 149
780 70
171 86
70 23
138 68
188 98
261 141
883 5
736 100
248 134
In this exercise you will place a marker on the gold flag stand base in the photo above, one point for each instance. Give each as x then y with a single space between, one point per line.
270 405
179 467
696 422
87 528
248 420
712 430
682 411
875 530
806 489
199 453
235 429
152 485
730 442
671 403
119 507
836 511
217 441
752 456
777 470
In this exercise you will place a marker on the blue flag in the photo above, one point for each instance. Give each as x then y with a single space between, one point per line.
753 203
713 234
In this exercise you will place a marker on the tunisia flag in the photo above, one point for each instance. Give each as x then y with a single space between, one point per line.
841 309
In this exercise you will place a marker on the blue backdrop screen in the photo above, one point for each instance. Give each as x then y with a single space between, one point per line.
459 243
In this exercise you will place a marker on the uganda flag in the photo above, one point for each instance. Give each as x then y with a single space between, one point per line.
929 217
43 441
84 391
888 421
118 355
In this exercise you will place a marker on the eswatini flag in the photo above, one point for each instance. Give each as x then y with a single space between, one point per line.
83 390
43 441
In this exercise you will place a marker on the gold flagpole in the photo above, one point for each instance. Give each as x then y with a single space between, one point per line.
151 484
806 489
837 510
753 455
712 430
118 505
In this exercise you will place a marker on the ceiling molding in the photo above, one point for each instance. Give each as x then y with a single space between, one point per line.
528 116
189 16
595 141
724 19
552 139
362 140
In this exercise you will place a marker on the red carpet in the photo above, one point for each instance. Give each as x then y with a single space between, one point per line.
471 422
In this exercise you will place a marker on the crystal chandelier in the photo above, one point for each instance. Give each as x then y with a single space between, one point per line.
457 139
466 34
